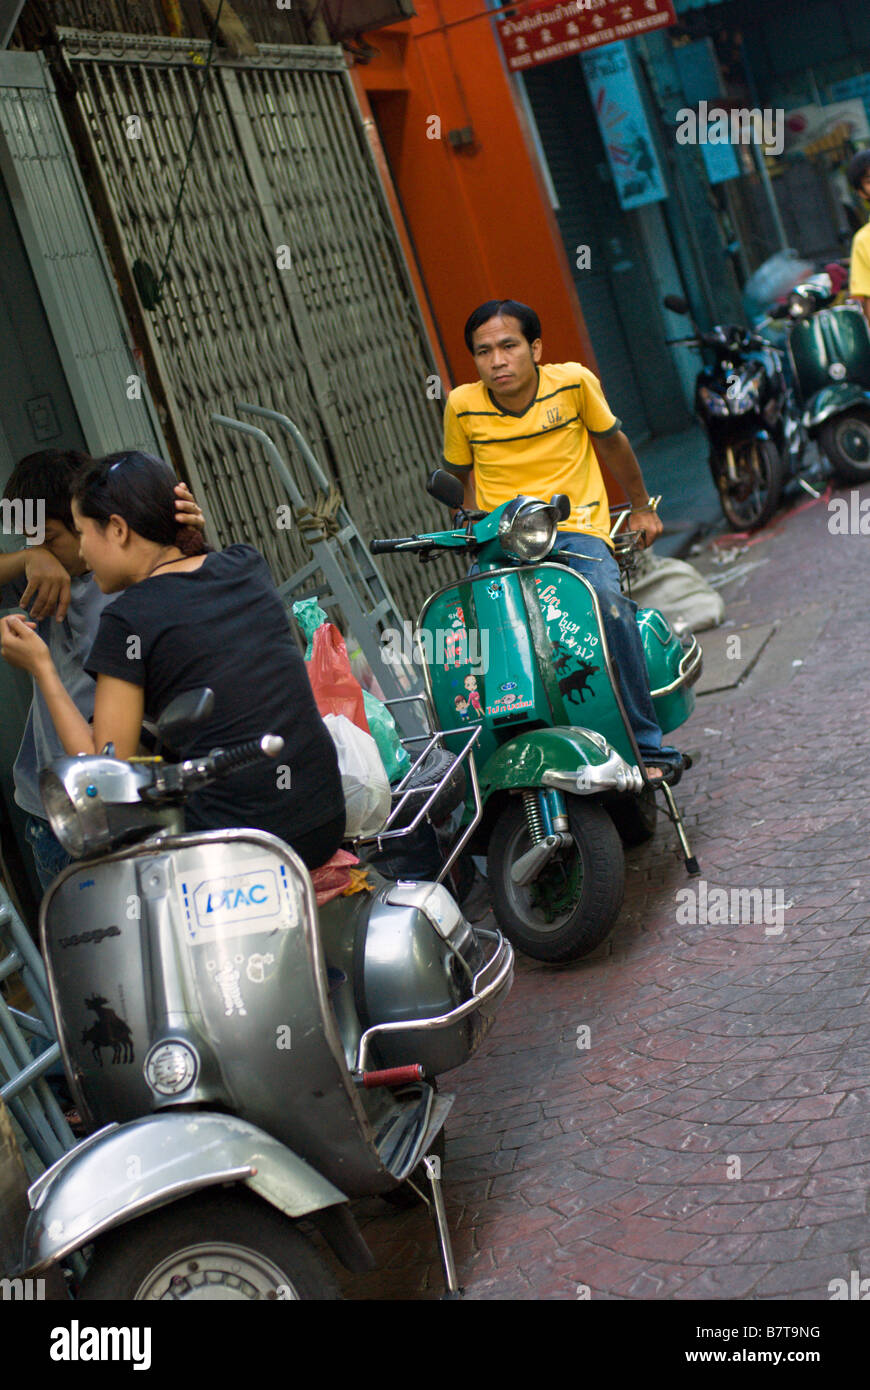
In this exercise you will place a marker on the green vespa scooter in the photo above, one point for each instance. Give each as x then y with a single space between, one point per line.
518 648
828 350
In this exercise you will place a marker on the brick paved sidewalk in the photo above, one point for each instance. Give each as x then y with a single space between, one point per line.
713 1140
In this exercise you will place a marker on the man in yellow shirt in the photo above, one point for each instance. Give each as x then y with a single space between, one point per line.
527 428
858 174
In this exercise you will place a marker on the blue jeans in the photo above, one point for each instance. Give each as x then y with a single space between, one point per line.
49 856
593 558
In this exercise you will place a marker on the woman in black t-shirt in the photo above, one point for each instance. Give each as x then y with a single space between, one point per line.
188 617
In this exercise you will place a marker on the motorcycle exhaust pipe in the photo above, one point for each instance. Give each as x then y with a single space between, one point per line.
530 864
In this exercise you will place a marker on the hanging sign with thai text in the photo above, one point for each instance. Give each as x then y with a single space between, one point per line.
545 32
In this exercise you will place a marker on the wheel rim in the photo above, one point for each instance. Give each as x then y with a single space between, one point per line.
551 900
852 438
745 500
215 1271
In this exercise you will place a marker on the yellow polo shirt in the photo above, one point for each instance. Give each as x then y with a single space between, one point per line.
543 450
859 266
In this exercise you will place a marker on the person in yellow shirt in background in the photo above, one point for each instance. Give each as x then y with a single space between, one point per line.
858 174
527 428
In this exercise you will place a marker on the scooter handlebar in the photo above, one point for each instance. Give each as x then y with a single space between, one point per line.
174 782
224 760
381 547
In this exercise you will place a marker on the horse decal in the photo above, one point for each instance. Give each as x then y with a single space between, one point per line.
577 683
108 1031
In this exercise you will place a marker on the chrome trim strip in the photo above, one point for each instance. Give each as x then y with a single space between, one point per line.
688 672
38 1186
505 956
152 1201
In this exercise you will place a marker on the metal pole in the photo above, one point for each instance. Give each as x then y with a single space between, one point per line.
761 163
10 12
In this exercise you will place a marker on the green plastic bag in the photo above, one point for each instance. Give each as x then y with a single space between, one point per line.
309 615
383 730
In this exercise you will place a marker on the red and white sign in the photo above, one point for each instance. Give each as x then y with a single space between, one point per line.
544 32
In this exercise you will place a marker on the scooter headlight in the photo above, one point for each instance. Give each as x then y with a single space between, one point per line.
63 814
93 803
527 530
712 401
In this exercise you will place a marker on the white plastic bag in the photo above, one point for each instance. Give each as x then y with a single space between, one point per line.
678 590
363 778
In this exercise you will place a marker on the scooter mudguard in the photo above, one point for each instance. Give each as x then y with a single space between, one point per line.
570 759
834 400
673 665
124 1171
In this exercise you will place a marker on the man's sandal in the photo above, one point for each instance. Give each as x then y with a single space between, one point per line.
669 772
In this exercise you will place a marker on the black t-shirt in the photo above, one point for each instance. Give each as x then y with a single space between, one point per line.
223 625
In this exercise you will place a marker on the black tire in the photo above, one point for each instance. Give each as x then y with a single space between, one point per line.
462 878
404 1197
752 501
537 928
846 441
255 1241
635 817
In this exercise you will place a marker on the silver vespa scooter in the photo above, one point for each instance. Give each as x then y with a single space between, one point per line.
243 1059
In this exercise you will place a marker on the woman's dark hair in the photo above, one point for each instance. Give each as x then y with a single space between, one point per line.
498 308
858 168
48 477
141 489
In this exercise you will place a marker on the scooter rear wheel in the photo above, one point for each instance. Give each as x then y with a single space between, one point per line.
217 1246
573 904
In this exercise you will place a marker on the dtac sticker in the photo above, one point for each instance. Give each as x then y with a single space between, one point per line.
508 685
239 904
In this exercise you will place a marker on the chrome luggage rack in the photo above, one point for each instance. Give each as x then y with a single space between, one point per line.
402 792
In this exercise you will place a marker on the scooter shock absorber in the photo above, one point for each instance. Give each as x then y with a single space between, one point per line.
532 808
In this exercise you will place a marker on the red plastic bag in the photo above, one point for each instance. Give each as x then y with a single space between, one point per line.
336 688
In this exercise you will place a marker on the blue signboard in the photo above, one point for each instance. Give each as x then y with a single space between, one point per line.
622 121
853 87
701 81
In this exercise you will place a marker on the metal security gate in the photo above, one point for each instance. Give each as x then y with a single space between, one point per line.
286 284
54 240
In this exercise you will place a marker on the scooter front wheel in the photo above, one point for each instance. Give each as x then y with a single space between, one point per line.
571 907
751 499
220 1245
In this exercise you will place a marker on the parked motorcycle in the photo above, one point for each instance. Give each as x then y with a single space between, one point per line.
828 349
518 651
756 436
243 1059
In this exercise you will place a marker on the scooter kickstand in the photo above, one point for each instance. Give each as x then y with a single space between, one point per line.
692 866
432 1165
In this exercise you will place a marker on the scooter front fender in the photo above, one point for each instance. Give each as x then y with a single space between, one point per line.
569 758
834 400
124 1171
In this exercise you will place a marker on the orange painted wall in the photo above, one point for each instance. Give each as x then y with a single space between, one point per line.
479 217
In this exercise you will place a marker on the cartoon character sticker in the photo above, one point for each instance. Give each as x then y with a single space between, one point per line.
227 977
470 684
